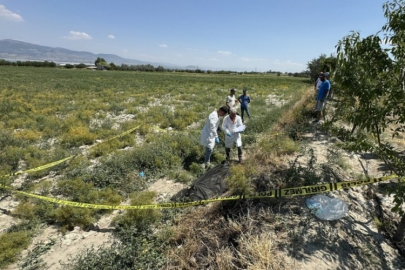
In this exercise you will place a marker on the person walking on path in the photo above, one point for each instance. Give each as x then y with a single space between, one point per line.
322 96
244 100
231 99
209 135
230 125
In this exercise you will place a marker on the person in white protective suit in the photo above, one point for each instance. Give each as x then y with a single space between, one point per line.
209 134
230 126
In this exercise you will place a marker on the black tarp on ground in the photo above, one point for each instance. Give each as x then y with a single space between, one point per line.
211 184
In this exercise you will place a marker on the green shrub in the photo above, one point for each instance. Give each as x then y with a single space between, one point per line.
28 135
103 149
11 155
44 188
45 211
196 168
77 190
142 218
239 179
85 115
36 211
181 176
69 217
139 251
77 167
218 157
80 191
77 136
11 244
276 146
24 210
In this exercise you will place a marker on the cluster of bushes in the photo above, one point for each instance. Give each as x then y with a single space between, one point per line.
27 63
11 244
81 65
67 217
160 154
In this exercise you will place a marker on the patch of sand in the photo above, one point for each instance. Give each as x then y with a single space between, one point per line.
165 189
69 245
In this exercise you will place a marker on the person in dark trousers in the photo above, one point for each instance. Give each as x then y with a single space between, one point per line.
232 137
244 100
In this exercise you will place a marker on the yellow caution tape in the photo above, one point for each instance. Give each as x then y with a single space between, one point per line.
161 130
285 192
52 164
120 135
43 167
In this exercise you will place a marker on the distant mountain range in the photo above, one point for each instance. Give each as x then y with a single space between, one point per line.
13 50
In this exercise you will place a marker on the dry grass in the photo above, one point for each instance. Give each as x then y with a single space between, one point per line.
214 238
199 234
290 117
258 252
237 235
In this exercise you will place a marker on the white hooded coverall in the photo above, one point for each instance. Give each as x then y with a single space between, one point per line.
209 131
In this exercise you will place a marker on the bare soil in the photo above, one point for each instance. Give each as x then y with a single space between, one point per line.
357 241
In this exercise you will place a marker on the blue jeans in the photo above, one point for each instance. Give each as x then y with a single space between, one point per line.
243 110
208 152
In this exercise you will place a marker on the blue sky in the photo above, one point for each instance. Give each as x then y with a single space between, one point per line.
222 34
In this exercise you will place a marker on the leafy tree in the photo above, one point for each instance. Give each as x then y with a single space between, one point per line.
370 83
113 66
124 67
81 65
100 62
322 63
315 66
160 69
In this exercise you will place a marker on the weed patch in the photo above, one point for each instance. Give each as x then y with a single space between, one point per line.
11 244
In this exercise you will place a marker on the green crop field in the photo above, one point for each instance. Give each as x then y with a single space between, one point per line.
47 114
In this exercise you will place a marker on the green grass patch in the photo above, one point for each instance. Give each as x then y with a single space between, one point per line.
11 244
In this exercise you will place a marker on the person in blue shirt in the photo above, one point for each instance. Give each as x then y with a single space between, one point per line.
322 96
244 100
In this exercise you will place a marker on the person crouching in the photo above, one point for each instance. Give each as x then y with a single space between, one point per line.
229 125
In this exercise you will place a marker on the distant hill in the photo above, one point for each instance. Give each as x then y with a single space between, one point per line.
17 50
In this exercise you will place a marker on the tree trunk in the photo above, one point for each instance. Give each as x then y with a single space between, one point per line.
399 234
377 131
